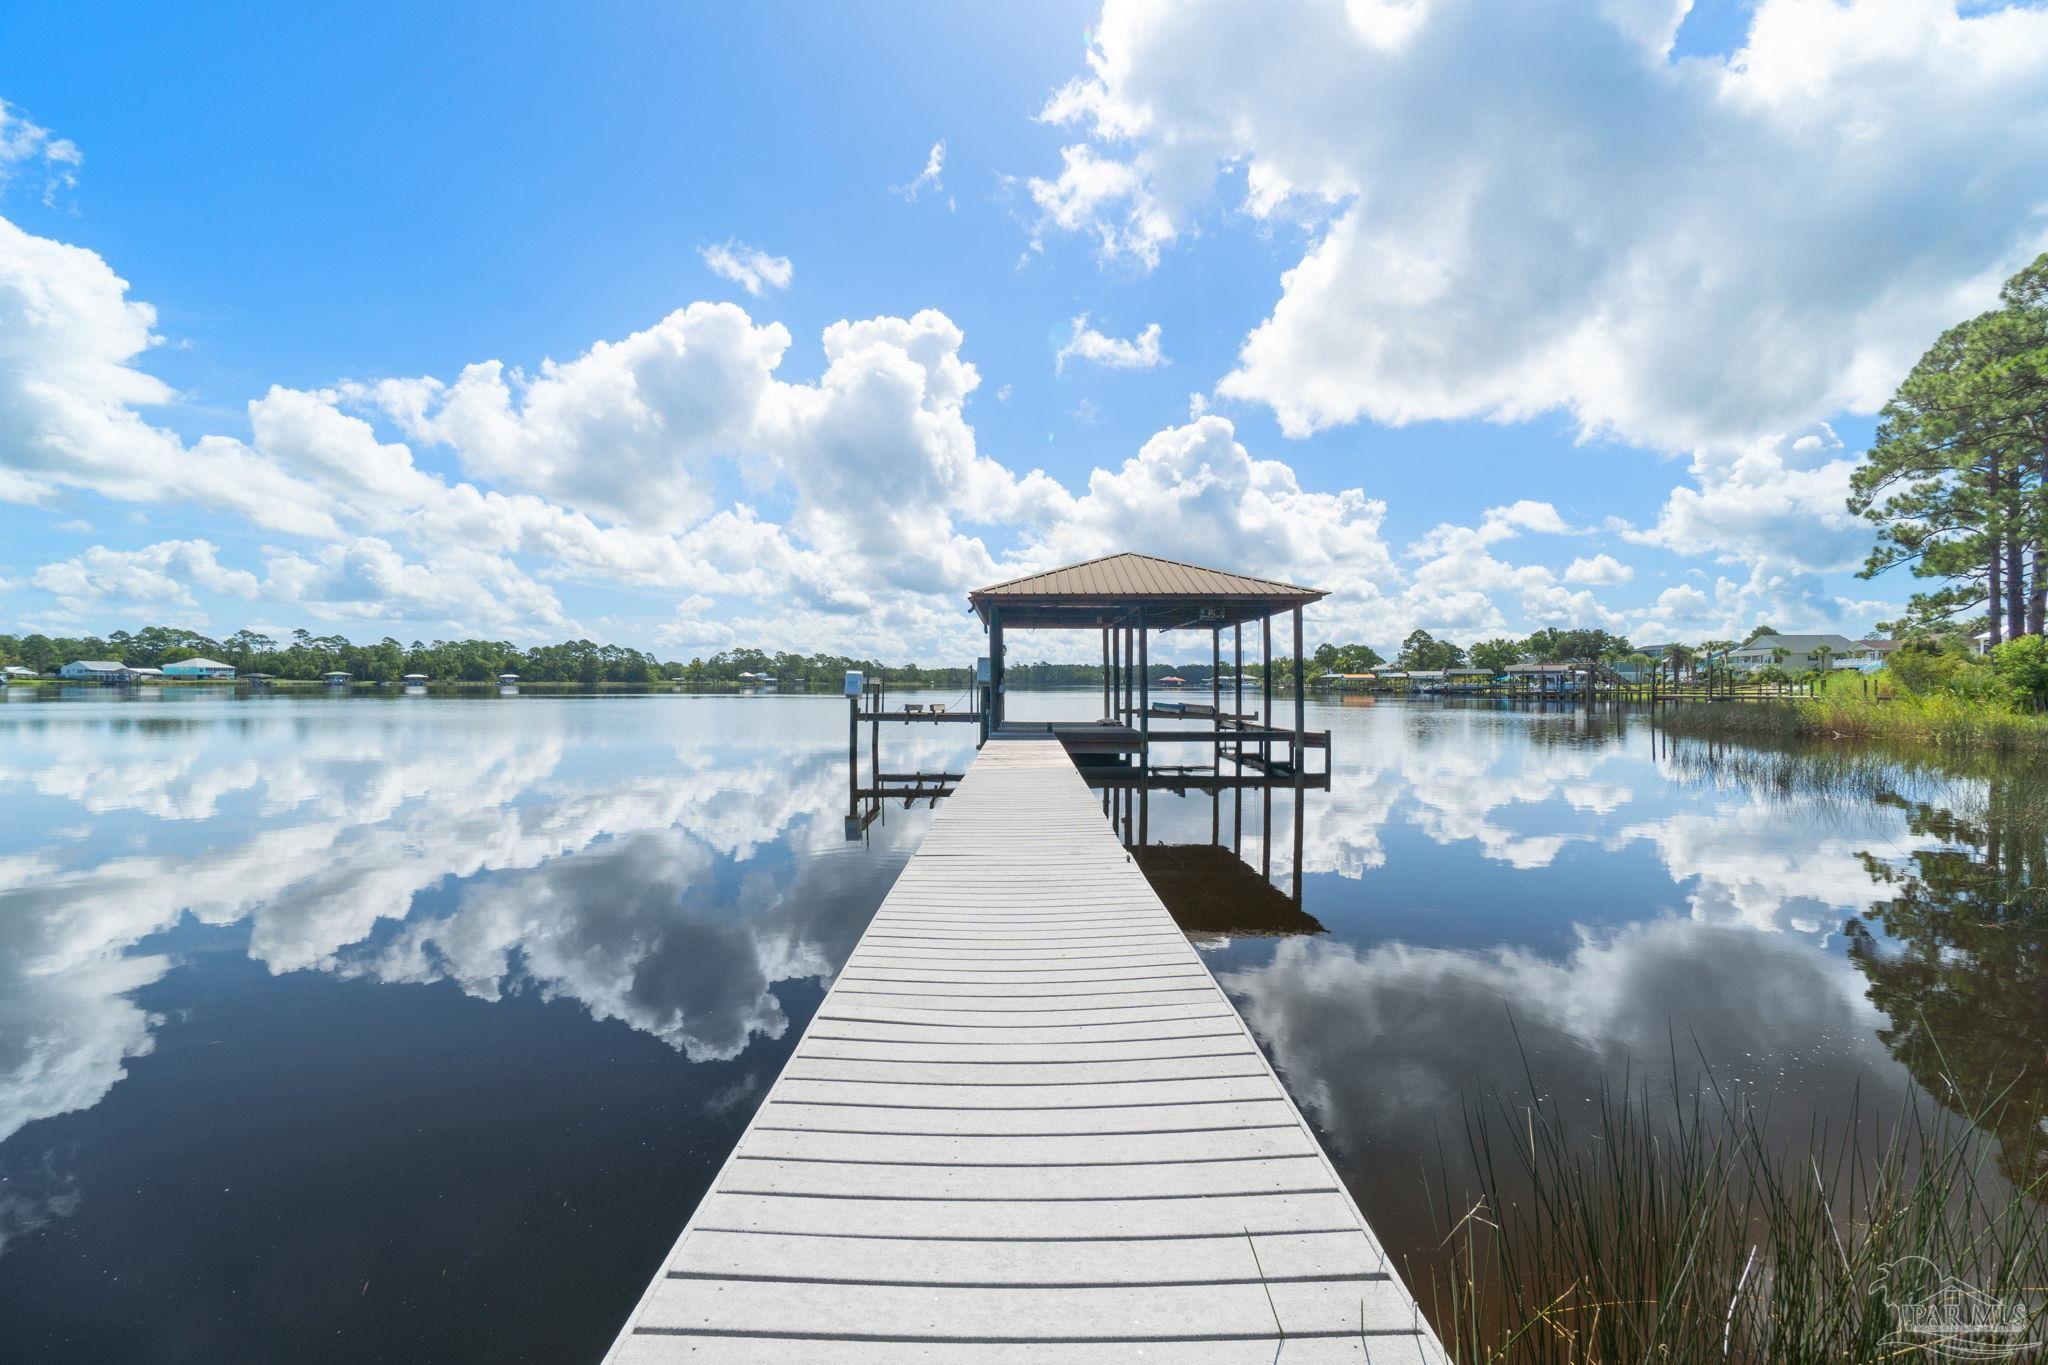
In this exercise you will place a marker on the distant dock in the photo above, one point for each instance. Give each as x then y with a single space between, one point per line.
1026 1124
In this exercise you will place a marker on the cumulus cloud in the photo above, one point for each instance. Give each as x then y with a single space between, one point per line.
1780 500
1141 352
366 579
611 466
625 431
1533 209
604 460
1599 571
1106 198
1459 583
70 393
1194 493
157 575
748 268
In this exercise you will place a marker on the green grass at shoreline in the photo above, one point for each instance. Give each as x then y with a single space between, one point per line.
1845 713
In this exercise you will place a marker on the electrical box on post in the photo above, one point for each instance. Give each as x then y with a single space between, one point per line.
855 683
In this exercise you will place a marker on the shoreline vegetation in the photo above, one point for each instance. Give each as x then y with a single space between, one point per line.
1940 697
1687 1229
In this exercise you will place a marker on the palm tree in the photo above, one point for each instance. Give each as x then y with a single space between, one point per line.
1717 653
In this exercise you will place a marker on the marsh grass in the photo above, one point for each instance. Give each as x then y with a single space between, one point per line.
1686 1231
1842 711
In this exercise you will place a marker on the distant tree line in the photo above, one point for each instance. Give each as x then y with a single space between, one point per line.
305 655
817 672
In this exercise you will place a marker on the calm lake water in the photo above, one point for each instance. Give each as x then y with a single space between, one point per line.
411 1029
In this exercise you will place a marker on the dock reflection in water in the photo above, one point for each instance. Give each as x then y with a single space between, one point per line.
1214 895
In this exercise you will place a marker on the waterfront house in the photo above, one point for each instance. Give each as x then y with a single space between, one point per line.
14 671
105 672
1792 653
209 669
1869 655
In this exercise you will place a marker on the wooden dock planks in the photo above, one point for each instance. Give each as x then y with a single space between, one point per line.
1026 1125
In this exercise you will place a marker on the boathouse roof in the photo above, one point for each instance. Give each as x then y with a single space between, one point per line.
1103 592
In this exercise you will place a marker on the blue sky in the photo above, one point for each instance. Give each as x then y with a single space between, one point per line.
1576 317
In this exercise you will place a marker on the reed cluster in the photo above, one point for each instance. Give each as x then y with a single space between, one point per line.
1685 1232
1941 721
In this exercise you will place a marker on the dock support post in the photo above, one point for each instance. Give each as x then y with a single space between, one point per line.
1300 746
1123 684
1266 691
1216 723
1266 749
1300 702
1237 748
995 666
1144 728
853 755
1106 712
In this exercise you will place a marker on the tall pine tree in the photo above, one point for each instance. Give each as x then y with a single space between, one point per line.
1957 478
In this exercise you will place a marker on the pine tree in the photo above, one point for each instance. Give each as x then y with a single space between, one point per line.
1957 479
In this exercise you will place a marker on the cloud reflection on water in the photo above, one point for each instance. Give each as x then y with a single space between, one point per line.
662 883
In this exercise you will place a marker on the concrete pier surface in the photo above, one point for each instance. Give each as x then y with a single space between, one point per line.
1026 1125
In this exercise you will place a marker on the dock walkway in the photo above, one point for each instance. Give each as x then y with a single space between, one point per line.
1026 1125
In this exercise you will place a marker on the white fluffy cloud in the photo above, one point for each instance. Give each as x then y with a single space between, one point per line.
1106 198
365 579
1194 493
625 431
1598 571
1535 208
1141 352
70 394
160 575
1780 500
606 468
750 269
